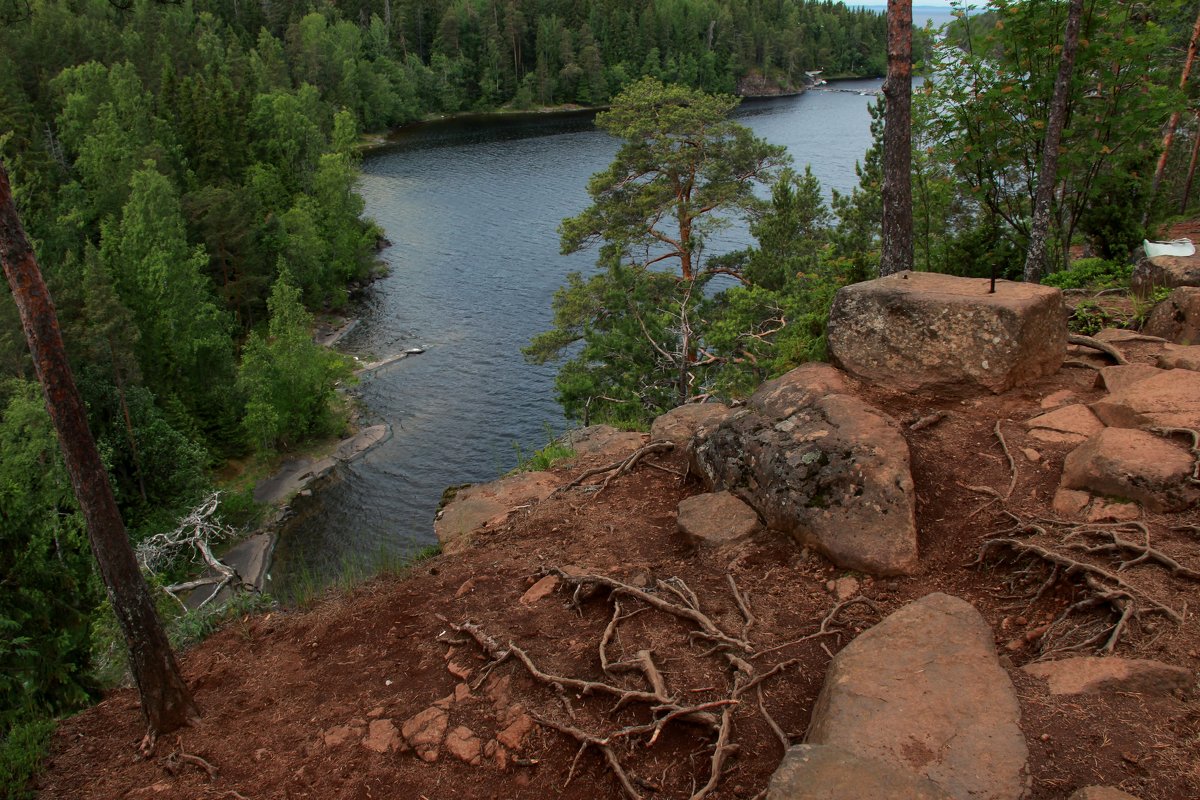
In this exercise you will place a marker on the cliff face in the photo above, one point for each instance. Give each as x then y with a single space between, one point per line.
755 84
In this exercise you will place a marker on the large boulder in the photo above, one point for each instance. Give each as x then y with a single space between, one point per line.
1169 399
783 396
487 505
924 692
680 424
1178 356
1177 318
922 331
1133 464
818 772
1168 271
834 473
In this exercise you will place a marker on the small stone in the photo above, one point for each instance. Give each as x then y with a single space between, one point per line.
845 588
514 735
375 713
716 519
467 586
444 703
1033 455
1069 502
335 737
458 670
463 744
542 588
382 736
1106 511
423 732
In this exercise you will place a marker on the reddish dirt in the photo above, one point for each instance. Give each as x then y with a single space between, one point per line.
271 688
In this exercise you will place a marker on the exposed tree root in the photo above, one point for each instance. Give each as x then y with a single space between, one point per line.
1012 464
929 421
175 761
664 706
1104 588
1096 344
619 468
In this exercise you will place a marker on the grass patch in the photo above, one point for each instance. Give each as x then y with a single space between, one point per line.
307 587
22 751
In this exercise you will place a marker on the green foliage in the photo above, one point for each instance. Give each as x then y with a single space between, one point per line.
22 749
1095 274
1088 317
555 450
289 381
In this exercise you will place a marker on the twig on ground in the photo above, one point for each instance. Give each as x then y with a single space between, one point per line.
172 761
619 468
743 602
1012 463
929 421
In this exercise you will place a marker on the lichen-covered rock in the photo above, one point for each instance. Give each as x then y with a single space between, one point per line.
1177 318
819 772
800 387
924 692
717 518
680 424
921 331
834 473
1133 464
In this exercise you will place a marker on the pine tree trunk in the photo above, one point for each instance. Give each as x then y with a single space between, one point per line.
897 142
1035 257
1173 124
166 701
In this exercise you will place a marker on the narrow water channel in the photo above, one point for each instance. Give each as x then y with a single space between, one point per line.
472 209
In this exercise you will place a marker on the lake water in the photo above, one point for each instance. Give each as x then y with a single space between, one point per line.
472 208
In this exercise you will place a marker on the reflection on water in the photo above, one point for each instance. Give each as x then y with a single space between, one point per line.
472 208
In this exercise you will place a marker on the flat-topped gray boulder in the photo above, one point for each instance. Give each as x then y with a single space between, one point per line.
1168 271
820 772
1092 675
924 692
1179 356
1169 399
1136 465
1177 318
922 331
680 424
487 505
834 474
718 518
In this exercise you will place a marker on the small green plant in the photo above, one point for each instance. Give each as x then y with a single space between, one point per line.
1088 318
22 751
555 450
1091 273
1143 307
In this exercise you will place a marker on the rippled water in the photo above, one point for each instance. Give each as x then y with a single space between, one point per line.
472 208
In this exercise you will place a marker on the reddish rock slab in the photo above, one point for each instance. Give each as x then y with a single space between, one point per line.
1177 356
820 772
1133 464
487 505
1070 424
1056 399
1069 502
382 736
783 396
922 331
1169 399
718 518
1177 318
680 424
463 744
924 692
1118 377
423 732
1100 793
542 588
1094 675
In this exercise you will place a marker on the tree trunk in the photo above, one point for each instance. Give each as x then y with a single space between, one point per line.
1169 137
1187 189
1035 257
166 701
897 142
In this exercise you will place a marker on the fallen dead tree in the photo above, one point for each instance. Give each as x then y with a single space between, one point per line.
639 715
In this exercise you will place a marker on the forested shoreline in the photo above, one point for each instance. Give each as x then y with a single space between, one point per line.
186 174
